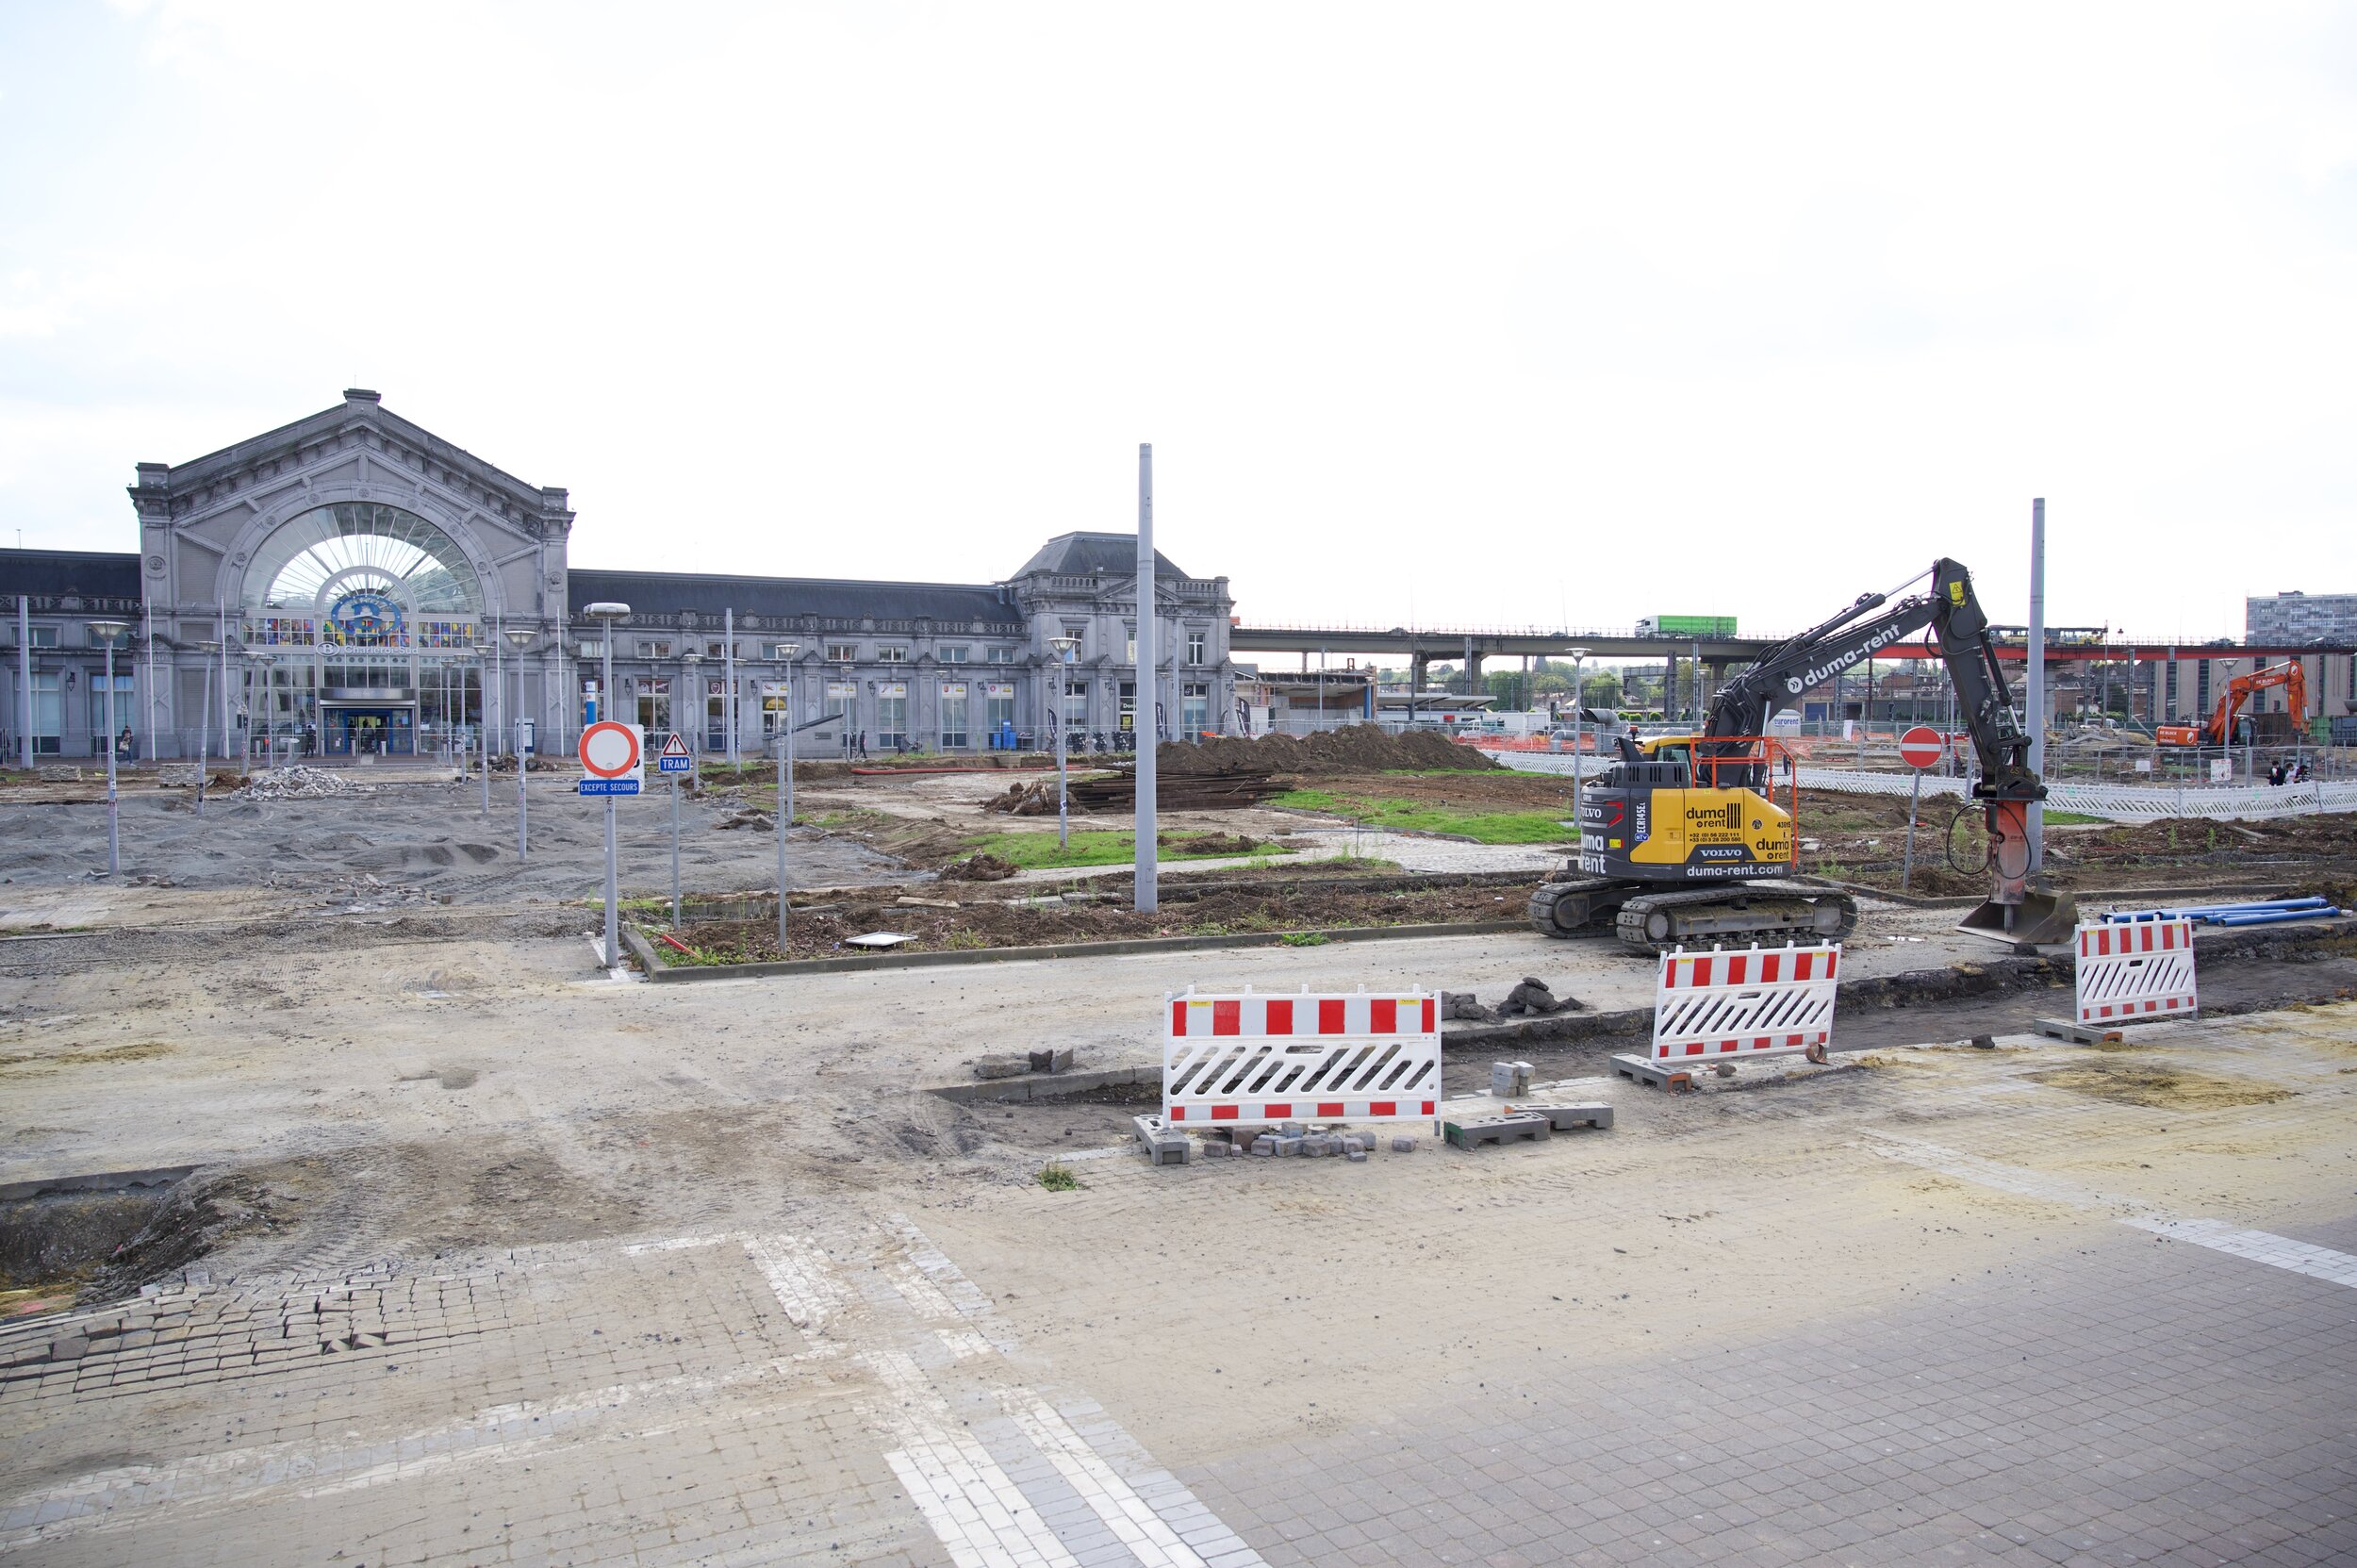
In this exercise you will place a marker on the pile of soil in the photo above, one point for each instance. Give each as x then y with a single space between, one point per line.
1024 798
1217 910
1360 749
981 867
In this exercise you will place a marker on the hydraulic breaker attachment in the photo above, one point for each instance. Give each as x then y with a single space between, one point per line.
2015 910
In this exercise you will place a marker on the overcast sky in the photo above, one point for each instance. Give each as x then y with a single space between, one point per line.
1464 313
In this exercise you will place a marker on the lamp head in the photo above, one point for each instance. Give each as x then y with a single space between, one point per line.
521 637
789 650
108 630
1065 647
605 609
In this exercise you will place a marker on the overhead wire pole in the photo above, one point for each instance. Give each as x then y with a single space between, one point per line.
1144 721
2033 701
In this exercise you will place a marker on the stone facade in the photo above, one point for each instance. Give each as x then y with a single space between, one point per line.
370 587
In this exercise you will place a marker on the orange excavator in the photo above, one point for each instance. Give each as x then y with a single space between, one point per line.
2220 730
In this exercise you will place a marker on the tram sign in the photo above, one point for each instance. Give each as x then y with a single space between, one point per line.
1921 746
674 757
612 756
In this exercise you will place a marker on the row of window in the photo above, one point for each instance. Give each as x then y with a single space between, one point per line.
1198 644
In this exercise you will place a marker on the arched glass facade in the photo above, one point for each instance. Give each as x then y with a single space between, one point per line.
367 617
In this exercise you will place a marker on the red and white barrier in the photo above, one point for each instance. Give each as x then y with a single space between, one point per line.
1759 1002
1252 1058
2143 970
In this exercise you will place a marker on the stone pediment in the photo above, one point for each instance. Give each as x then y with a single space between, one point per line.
365 448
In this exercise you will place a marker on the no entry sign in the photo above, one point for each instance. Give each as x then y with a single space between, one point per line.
611 755
1921 746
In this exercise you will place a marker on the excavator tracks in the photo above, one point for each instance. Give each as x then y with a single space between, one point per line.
1655 922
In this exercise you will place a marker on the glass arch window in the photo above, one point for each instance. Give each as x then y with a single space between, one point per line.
357 574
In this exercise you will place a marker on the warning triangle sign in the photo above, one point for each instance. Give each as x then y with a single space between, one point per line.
674 746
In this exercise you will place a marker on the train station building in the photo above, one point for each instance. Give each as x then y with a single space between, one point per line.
353 584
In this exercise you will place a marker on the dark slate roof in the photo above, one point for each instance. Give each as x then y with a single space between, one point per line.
52 573
1089 554
661 593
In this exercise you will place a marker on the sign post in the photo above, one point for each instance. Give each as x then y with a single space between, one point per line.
1919 748
674 761
612 756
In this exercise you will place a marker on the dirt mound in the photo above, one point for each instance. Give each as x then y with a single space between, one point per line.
1360 749
982 867
1024 798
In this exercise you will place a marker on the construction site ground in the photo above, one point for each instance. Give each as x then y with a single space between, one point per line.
486 1255
494 1258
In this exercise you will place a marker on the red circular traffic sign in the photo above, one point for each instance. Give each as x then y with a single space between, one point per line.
1921 746
609 749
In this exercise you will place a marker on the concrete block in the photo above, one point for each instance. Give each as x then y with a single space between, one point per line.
1264 1145
1355 1156
1510 1079
1403 1145
1289 1144
1291 1130
1354 1145
1175 1150
1476 1130
1563 1119
1055 1060
1002 1066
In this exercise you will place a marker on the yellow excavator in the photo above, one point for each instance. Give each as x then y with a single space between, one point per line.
1682 841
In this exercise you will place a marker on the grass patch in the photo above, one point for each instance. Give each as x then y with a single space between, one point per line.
2074 820
1106 847
1057 1178
1304 939
1482 827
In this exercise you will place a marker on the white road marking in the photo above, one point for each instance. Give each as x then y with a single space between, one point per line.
2259 1246
677 1244
972 1505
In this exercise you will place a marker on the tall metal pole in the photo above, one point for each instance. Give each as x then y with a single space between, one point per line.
728 704
224 683
483 728
204 737
114 842
25 674
612 877
1144 862
2033 701
782 950
793 715
147 615
674 778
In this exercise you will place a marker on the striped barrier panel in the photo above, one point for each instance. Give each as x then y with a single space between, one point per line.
1251 1057
2138 971
1757 1002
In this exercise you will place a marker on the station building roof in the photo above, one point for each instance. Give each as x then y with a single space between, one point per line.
82 574
660 593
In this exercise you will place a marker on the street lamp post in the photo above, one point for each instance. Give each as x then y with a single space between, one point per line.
107 631
1066 649
483 727
694 729
787 653
606 614
203 725
520 638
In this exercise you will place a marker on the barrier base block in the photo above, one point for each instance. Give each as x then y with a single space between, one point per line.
1653 1075
2109 1033
1513 1126
1163 1146
1563 1119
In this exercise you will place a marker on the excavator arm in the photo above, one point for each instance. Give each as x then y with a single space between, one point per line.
2006 784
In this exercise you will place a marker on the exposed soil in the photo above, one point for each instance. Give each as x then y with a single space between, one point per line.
1360 749
1861 839
2162 1088
1224 910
